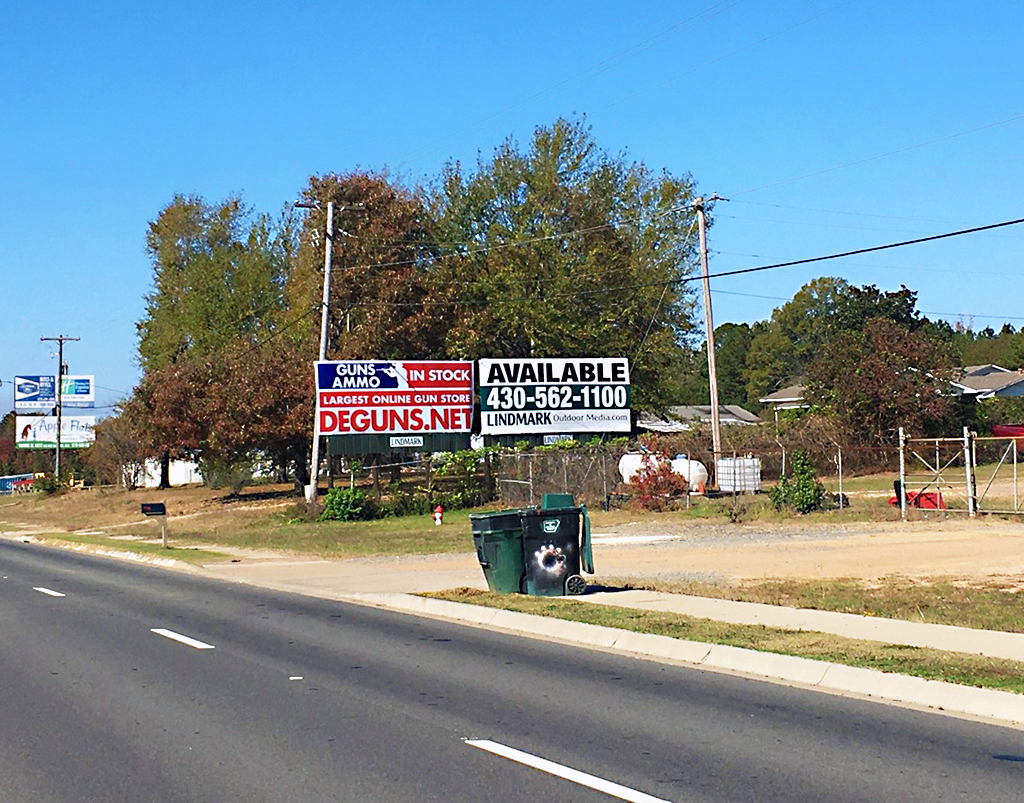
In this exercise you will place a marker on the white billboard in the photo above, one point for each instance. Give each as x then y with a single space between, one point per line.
40 431
554 396
78 391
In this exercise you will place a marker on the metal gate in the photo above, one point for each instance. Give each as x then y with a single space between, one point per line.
971 474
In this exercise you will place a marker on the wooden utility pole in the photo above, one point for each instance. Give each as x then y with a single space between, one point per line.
716 424
60 392
325 308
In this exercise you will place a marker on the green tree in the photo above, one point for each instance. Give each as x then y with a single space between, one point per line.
822 310
218 279
884 377
380 257
732 342
218 275
560 249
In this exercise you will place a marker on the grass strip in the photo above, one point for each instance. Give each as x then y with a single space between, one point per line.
950 667
996 605
142 548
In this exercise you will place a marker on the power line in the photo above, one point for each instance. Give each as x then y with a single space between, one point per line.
685 279
867 159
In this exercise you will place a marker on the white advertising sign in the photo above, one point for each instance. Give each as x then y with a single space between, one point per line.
554 396
78 391
40 432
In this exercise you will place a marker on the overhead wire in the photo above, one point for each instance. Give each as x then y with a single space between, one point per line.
722 274
878 156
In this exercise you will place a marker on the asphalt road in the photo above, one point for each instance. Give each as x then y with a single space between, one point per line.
140 684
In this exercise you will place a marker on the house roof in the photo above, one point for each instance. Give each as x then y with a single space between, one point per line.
681 418
791 394
989 383
985 370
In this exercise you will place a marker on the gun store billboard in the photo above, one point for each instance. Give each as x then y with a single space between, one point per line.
540 396
401 397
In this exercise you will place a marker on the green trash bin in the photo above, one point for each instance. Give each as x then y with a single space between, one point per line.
498 538
555 549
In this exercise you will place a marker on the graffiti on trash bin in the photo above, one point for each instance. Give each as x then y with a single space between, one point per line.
550 559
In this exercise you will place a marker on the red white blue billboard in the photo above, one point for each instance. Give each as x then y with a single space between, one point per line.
358 397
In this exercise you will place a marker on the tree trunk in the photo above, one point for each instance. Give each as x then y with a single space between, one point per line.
165 470
301 458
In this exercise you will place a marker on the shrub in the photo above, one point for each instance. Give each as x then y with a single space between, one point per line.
218 473
347 504
656 484
802 492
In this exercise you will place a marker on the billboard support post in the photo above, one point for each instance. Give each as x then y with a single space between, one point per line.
60 392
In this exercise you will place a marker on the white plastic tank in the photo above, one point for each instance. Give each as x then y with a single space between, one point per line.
741 475
630 465
694 472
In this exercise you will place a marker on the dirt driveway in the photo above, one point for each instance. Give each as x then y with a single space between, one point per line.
979 551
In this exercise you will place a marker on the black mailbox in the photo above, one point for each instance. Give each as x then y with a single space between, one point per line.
154 509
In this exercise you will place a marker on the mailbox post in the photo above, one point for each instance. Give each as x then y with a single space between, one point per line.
159 510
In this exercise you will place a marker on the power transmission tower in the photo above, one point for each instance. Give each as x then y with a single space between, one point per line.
61 370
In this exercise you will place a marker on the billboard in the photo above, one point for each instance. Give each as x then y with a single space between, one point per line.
77 391
34 393
356 397
40 432
554 396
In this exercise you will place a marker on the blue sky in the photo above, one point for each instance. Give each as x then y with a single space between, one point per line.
830 126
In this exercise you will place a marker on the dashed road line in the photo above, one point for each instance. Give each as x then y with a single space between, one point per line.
48 591
568 773
191 642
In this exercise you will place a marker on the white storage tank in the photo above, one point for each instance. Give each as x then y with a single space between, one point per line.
740 475
693 471
695 474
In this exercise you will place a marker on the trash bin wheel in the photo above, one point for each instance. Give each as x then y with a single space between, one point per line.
575 585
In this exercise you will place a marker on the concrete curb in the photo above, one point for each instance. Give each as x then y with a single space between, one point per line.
1005 707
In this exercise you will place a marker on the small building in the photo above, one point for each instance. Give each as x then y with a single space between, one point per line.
989 381
684 417
787 398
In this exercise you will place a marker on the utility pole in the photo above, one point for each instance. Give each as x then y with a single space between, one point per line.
716 424
325 307
60 393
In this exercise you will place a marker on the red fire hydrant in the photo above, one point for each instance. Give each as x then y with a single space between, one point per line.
438 516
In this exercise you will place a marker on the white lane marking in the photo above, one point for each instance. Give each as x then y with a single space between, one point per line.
191 642
47 591
295 677
560 770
